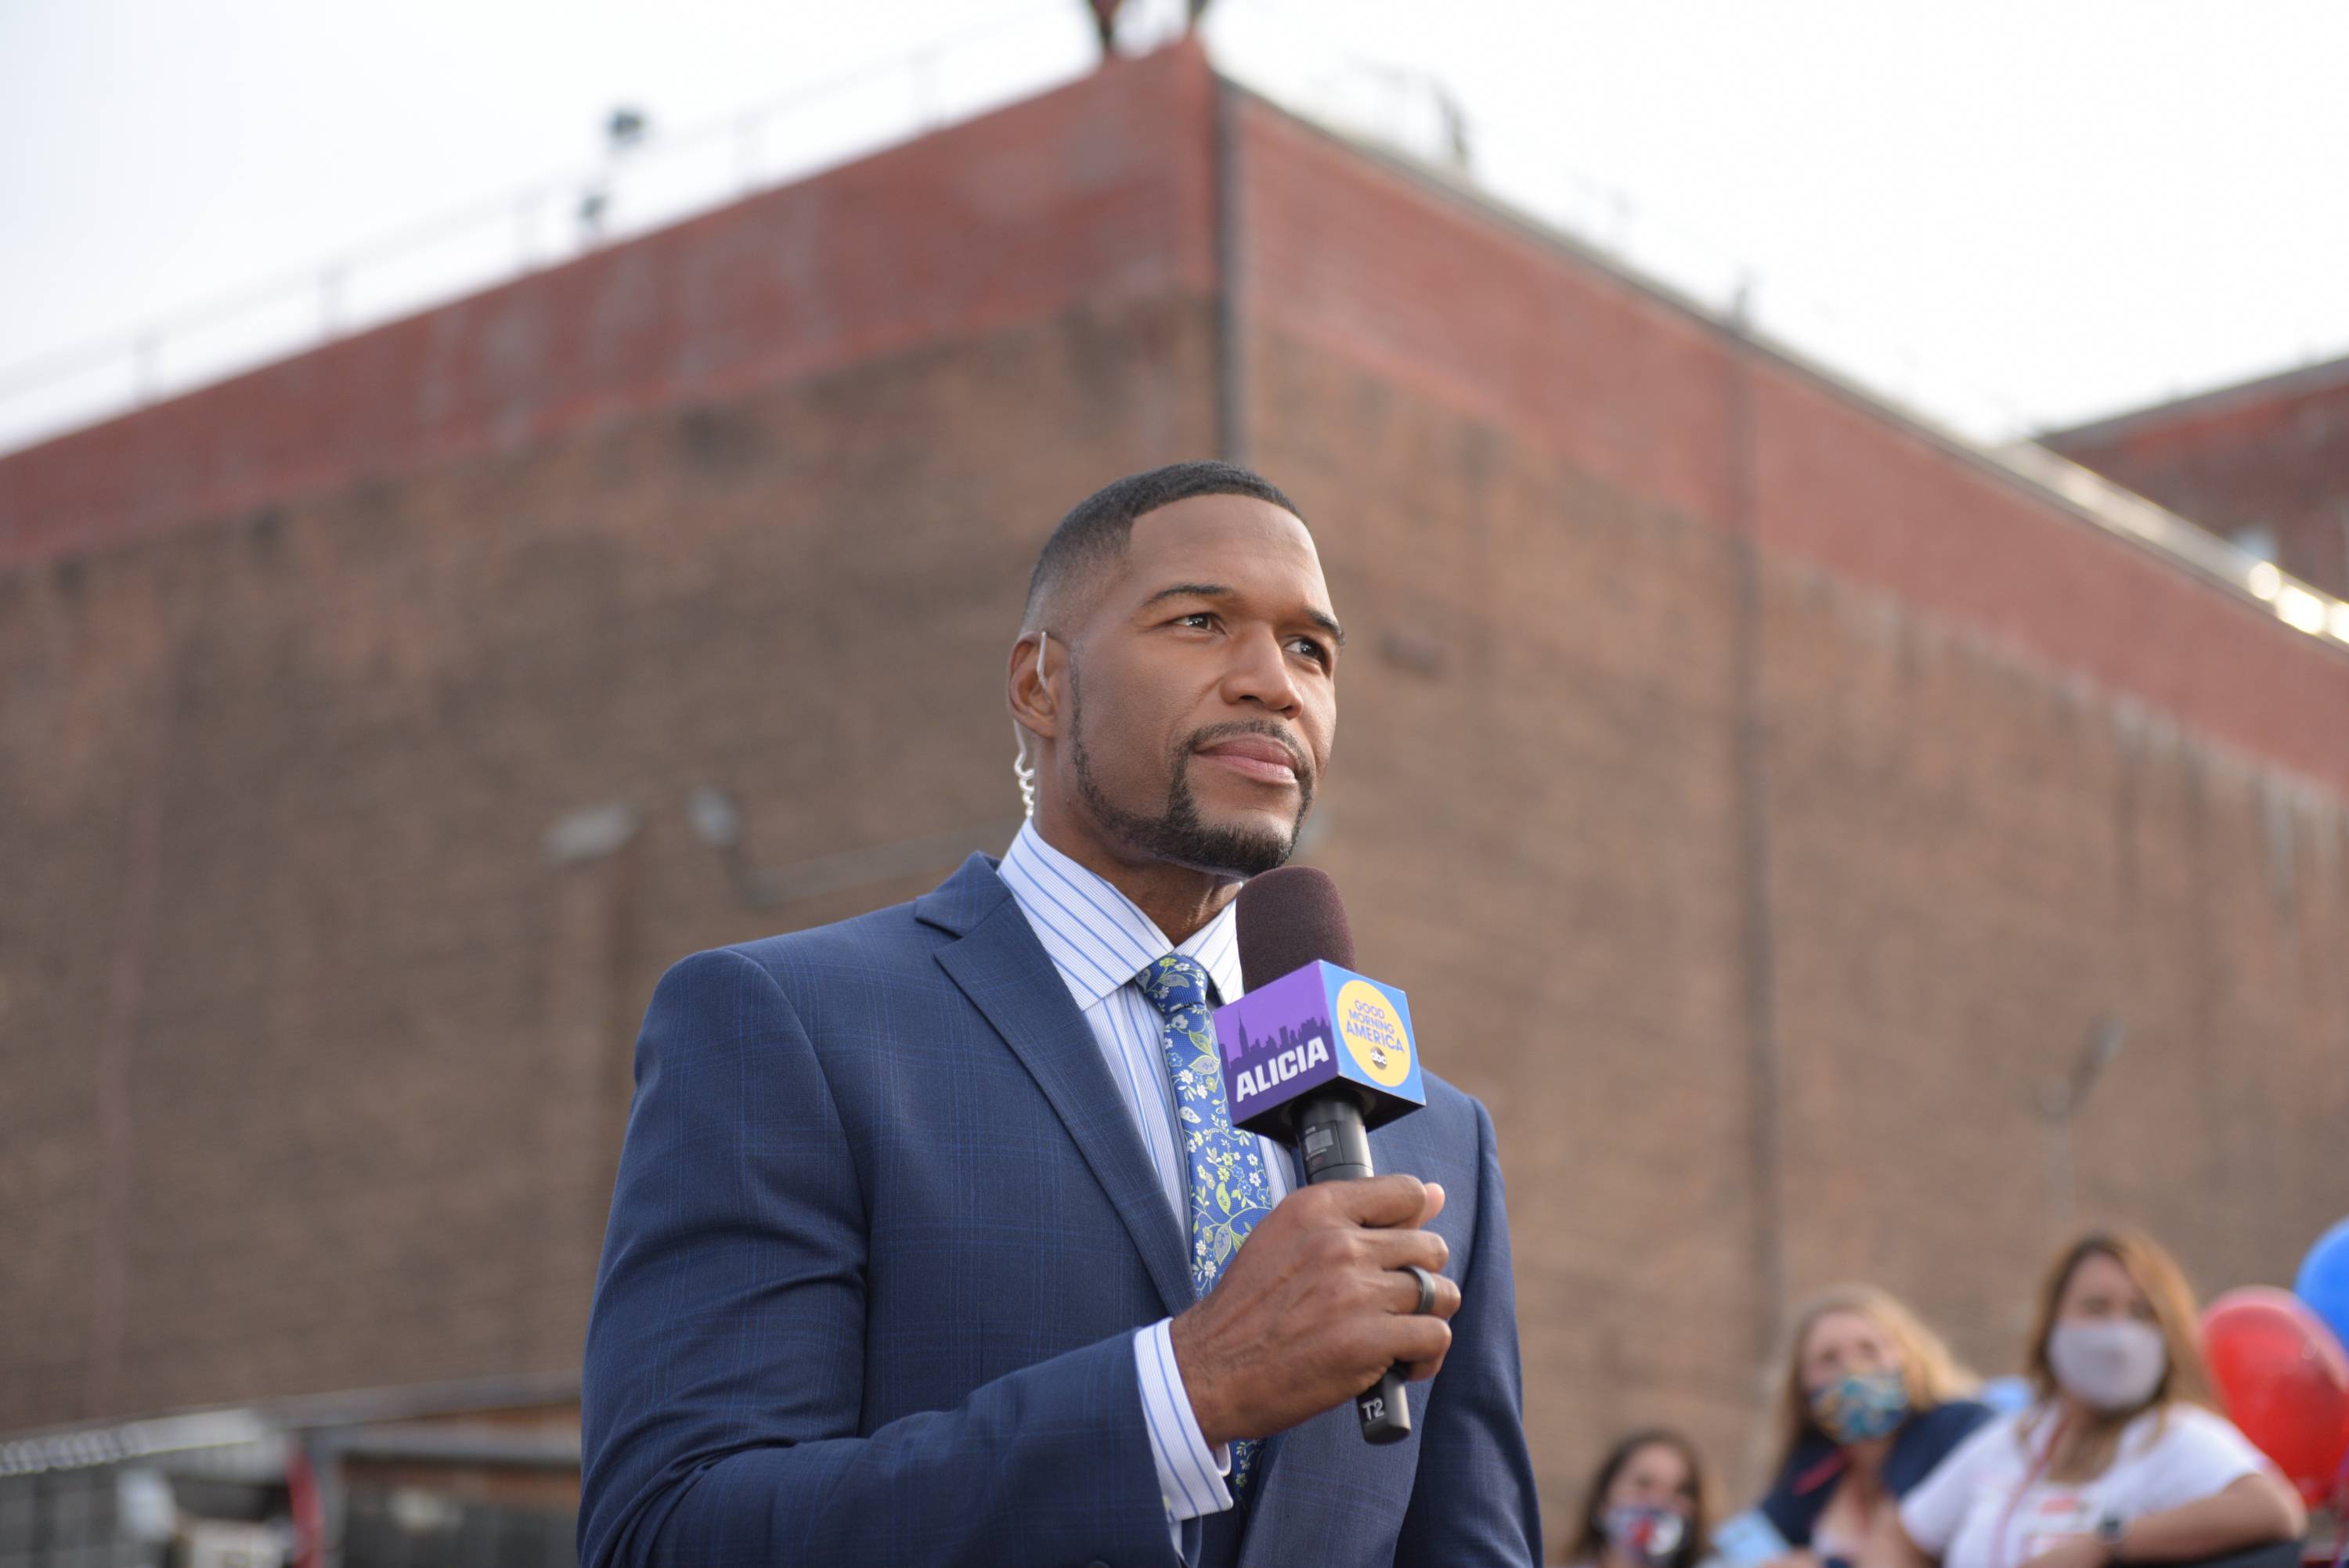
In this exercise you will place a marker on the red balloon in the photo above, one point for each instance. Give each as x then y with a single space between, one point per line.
2285 1380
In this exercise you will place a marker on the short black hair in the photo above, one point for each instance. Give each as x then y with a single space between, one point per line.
1098 527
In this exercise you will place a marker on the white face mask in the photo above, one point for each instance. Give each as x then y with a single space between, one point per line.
2108 1364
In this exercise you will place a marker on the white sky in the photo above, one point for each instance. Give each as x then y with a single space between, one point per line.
2010 214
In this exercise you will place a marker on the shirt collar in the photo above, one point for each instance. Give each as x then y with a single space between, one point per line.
1098 938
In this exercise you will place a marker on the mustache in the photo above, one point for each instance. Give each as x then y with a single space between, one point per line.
1198 739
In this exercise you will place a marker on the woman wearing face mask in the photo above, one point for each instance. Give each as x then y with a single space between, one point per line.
1645 1508
2121 1459
1871 1402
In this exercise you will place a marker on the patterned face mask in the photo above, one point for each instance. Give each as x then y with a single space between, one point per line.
1861 1406
1644 1534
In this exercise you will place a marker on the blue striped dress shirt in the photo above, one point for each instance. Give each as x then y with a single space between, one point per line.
1099 941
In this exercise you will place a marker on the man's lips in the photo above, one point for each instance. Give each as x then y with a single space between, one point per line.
1254 757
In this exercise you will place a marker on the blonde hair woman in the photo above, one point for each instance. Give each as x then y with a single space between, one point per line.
1870 1402
2121 1457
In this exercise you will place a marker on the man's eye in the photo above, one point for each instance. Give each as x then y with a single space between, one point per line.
1200 617
1312 650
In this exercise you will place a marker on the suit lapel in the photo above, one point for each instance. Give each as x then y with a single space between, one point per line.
1006 976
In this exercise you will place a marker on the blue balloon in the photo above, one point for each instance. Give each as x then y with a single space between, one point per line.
2007 1396
2324 1282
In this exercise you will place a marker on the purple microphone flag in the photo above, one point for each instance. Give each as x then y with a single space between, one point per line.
1311 1026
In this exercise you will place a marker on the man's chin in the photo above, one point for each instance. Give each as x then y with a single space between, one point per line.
1245 844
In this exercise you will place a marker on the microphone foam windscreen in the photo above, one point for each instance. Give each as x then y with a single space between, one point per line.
1288 919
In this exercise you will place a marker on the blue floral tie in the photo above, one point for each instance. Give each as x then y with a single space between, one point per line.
1229 1191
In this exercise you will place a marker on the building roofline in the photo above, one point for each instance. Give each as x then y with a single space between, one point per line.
2300 382
2029 466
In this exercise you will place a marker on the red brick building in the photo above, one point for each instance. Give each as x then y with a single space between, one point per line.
1765 798
2266 463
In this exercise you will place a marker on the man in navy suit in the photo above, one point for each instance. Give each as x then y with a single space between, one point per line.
928 1245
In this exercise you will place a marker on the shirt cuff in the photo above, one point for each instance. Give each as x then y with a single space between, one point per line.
1190 1473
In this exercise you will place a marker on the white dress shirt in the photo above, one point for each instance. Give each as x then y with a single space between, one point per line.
1100 940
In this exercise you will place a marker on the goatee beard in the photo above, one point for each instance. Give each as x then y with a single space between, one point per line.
1177 834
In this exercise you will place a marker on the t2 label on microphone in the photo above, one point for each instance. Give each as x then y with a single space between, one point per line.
1315 1025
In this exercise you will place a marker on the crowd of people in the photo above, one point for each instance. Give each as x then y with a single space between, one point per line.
1886 1459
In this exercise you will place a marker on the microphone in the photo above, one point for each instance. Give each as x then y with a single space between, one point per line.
1314 1056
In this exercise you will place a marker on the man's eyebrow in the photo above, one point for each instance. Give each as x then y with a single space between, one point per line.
1321 618
1191 591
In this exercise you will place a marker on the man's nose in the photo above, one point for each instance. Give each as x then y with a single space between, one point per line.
1259 673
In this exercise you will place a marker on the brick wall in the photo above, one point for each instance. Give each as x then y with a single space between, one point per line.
2272 454
317 1068
2017 778
377 1061
1973 861
317 1065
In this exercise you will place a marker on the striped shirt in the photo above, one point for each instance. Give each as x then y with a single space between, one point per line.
1100 940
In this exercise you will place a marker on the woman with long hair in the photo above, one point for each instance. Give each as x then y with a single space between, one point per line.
1870 1402
2121 1457
1645 1508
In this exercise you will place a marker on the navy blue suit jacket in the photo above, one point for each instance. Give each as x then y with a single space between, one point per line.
882 1234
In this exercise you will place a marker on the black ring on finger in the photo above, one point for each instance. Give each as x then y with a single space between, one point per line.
1426 1290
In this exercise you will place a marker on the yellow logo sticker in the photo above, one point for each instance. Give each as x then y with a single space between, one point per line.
1374 1033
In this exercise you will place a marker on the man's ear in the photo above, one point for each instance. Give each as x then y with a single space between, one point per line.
1036 663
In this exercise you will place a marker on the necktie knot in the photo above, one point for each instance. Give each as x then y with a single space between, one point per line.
1174 983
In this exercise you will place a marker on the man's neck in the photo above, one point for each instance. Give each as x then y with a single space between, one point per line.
1177 899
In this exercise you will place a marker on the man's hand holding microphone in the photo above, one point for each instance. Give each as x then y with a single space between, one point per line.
1316 1306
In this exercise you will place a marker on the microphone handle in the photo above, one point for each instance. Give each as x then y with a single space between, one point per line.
1337 1148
